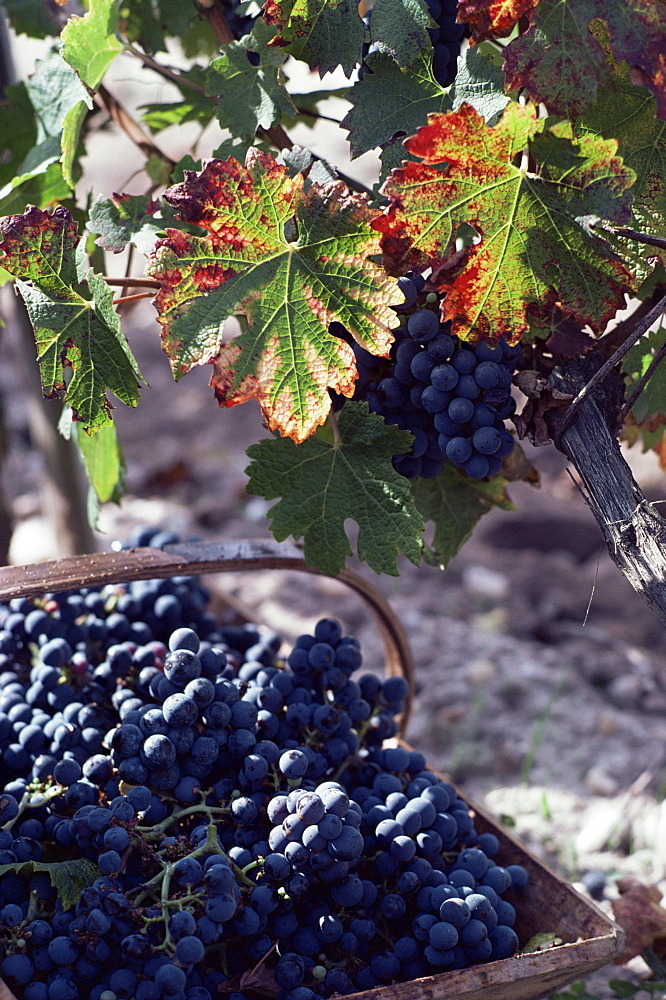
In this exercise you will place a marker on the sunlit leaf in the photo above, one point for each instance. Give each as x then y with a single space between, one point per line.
291 261
322 483
530 211
75 334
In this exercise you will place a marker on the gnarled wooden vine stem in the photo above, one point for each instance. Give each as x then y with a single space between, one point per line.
634 531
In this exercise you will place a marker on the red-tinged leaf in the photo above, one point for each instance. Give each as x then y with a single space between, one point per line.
72 331
535 251
560 61
288 260
493 17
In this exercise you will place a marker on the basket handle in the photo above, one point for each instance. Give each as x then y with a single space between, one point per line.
193 558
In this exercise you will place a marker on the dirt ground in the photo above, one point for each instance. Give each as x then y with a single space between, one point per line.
541 684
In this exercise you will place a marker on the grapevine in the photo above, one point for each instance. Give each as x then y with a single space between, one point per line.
517 206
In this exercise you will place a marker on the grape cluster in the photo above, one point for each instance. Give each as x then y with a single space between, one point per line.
446 39
221 807
451 395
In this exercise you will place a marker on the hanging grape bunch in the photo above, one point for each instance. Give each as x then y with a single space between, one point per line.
446 38
451 395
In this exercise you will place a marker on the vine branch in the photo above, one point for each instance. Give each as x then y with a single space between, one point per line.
633 234
133 282
635 534
217 21
129 126
169 74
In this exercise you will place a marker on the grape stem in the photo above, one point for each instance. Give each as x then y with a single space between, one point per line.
129 126
153 832
632 234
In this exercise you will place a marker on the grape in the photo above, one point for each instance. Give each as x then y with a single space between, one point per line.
423 325
317 851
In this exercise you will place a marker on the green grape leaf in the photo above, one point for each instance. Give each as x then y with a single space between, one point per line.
535 251
323 33
41 190
455 503
400 29
390 102
250 97
104 462
392 156
559 61
627 113
194 106
90 44
291 261
480 82
652 400
58 102
38 20
123 219
323 482
142 21
69 878
72 332
18 131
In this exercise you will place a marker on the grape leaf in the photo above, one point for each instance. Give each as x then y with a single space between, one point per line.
40 189
38 20
324 482
400 29
140 22
323 33
291 261
71 331
68 878
123 219
251 96
18 131
480 82
194 105
389 101
104 461
493 17
560 62
57 101
652 400
627 113
89 42
455 503
534 250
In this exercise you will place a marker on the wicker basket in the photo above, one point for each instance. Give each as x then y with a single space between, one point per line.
549 904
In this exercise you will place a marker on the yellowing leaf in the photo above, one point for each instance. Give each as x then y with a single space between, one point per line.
72 332
291 261
534 251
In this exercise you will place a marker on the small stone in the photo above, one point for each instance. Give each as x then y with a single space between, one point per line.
607 724
626 690
486 583
481 672
599 782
